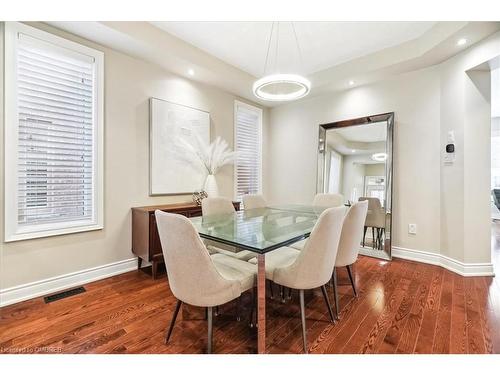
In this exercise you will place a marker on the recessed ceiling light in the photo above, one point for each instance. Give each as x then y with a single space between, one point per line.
191 72
461 42
351 83
353 151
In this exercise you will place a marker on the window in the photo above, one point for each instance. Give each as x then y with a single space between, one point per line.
375 188
248 147
335 172
53 135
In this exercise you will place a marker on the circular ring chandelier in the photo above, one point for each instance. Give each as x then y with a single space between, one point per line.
281 87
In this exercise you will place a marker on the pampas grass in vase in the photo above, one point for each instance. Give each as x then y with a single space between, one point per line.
210 157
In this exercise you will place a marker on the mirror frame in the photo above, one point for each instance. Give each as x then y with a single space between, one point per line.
320 186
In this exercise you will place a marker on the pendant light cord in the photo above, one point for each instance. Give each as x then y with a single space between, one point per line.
277 46
268 48
301 61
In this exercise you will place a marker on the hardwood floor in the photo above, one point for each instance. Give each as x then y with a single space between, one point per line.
402 307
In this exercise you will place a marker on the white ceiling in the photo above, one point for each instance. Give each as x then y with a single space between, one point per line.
322 44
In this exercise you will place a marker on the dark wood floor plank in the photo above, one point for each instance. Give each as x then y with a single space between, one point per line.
442 334
475 338
458 337
493 315
427 331
487 323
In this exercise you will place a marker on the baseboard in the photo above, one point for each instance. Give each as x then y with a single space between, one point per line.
24 292
464 269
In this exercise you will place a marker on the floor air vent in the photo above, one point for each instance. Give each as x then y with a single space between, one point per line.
64 294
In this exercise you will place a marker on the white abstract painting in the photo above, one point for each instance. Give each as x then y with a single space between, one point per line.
170 173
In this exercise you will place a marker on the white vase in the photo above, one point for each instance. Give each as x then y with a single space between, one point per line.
211 187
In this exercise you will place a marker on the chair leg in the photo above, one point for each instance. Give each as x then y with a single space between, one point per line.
271 289
210 328
364 235
172 322
373 237
282 293
238 309
335 294
349 271
325 296
303 319
289 293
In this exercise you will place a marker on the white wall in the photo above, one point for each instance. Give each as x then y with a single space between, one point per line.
129 83
449 203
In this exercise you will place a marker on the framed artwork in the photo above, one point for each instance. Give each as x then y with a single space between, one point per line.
170 173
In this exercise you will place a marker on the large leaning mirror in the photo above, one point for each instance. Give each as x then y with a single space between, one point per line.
355 160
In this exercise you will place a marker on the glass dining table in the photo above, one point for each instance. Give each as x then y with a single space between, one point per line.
260 230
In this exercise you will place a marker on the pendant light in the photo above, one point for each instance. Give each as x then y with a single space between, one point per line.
279 86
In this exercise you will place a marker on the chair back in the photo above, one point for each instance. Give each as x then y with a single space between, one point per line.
216 206
251 201
375 216
352 233
328 200
314 265
192 276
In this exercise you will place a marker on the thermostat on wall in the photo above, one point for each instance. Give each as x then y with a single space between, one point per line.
449 156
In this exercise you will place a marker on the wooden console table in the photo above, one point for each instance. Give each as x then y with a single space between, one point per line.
145 239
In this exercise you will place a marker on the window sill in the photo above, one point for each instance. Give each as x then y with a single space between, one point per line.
20 236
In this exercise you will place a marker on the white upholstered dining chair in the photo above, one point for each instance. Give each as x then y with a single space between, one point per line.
221 206
313 266
322 200
375 218
350 240
195 277
251 201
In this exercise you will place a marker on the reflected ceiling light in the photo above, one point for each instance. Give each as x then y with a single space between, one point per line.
461 42
380 156
351 83
191 72
353 151
281 87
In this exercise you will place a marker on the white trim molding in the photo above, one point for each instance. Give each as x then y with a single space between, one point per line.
39 288
453 265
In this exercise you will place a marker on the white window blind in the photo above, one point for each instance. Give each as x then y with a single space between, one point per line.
248 146
56 111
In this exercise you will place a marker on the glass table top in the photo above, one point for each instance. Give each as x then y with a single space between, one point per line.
259 230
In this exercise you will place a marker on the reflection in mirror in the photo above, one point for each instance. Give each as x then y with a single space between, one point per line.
355 161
